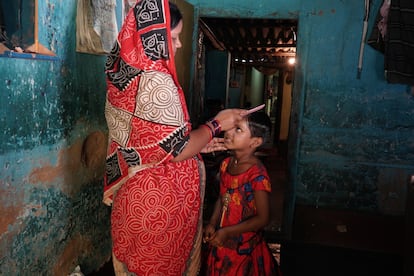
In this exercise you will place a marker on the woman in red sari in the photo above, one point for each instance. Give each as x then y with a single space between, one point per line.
154 175
242 209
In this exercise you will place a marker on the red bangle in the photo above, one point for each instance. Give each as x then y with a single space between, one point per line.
209 131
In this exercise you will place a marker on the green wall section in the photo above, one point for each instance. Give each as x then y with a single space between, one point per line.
350 140
52 215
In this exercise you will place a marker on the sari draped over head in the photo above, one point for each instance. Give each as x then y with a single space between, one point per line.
156 204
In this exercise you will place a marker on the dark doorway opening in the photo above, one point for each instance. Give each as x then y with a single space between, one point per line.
245 62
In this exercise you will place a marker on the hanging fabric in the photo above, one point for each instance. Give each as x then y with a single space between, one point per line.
104 22
399 43
376 40
96 26
393 35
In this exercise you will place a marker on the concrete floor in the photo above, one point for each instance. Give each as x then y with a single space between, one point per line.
314 260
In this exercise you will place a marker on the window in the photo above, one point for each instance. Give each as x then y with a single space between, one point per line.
19 30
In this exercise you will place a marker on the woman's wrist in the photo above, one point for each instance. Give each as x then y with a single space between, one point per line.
209 131
214 126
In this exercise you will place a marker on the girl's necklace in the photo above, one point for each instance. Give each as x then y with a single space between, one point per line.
235 162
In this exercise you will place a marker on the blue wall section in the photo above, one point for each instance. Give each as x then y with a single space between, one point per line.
349 137
52 215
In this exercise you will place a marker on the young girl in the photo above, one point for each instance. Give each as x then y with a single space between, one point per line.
235 229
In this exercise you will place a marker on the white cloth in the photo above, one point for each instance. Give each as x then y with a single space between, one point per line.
104 22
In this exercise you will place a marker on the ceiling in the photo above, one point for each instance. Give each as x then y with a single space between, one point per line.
258 42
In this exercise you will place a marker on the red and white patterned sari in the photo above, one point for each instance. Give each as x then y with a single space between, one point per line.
156 204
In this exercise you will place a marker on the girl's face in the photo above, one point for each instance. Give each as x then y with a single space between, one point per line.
238 137
175 36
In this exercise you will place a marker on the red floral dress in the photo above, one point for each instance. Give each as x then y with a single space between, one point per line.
247 254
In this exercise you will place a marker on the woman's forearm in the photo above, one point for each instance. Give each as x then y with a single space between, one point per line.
198 139
223 121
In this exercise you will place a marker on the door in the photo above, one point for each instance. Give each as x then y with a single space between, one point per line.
183 57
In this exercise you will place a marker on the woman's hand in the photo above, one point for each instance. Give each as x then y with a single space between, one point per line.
217 144
228 118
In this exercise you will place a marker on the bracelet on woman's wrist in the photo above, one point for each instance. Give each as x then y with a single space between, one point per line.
215 127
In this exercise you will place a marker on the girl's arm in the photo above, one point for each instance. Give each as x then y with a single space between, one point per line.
215 217
210 229
260 220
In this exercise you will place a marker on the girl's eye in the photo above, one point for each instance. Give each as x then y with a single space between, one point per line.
238 129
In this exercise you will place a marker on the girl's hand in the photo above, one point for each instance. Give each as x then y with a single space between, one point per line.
217 144
219 238
209 232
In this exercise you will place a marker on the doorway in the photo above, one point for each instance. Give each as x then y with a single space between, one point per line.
244 63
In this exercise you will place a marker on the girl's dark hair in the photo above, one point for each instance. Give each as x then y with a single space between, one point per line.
259 125
175 15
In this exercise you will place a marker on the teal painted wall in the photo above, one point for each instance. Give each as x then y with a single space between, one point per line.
52 215
350 139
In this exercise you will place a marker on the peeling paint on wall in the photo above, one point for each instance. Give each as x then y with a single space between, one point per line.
10 209
52 156
78 165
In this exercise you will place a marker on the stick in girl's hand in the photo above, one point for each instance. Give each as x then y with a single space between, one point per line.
254 109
